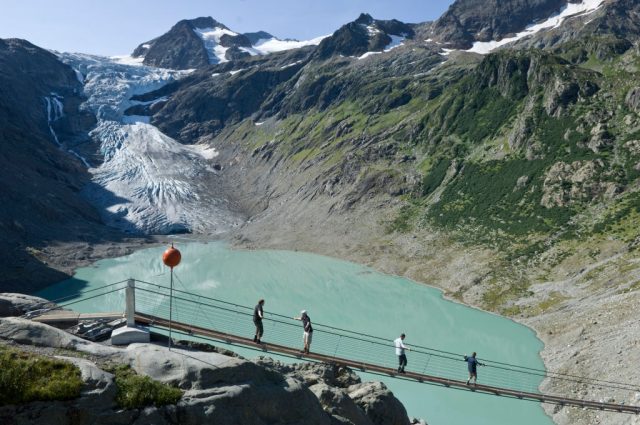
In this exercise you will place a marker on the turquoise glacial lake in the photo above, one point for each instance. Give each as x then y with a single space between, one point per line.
344 295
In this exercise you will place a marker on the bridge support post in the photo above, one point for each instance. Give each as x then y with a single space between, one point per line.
130 333
130 308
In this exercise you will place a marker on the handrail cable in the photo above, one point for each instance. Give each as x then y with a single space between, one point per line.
377 341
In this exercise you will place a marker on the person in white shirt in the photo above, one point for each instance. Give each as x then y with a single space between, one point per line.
402 358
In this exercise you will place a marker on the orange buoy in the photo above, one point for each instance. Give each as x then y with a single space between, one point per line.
171 257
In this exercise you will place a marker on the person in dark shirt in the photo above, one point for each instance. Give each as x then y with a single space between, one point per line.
308 330
472 364
258 315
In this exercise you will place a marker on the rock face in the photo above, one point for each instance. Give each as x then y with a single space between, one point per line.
180 48
41 128
467 21
217 388
633 99
342 393
363 35
579 181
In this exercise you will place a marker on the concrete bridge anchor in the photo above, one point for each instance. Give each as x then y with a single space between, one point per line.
130 333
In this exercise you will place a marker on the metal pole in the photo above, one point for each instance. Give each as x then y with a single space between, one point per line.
130 309
170 306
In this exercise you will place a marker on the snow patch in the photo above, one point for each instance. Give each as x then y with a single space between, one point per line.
371 30
572 9
366 55
272 45
211 39
291 64
396 41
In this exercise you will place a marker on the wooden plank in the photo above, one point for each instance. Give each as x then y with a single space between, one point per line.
70 316
503 392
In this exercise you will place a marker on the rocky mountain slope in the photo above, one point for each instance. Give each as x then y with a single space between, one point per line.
41 132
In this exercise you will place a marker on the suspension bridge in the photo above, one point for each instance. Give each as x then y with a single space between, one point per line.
193 315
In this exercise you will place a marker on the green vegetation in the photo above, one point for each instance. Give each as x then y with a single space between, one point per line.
135 391
488 194
25 377
499 295
435 176
403 222
621 219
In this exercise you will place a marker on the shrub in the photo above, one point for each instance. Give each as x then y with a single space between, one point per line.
26 377
135 391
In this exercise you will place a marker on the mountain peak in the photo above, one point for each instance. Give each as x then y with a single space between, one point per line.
203 41
365 35
205 22
364 19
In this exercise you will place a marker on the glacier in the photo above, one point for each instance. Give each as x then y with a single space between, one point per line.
147 183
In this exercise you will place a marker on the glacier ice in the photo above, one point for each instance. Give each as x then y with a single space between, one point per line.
147 182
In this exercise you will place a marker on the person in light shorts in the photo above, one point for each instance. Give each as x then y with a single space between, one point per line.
308 330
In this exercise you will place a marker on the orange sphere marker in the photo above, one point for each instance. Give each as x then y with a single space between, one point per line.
171 257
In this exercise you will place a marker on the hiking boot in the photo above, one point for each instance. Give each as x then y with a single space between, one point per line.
255 339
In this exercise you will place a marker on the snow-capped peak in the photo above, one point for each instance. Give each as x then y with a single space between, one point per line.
570 10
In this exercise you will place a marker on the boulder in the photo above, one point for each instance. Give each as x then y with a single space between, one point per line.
26 332
343 395
633 99
337 403
99 386
18 304
379 404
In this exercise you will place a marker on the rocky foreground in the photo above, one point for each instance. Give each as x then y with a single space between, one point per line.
218 388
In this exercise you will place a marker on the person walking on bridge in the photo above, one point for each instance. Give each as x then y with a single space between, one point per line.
258 315
308 330
400 347
472 364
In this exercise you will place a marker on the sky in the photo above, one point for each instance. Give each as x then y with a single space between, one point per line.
116 27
